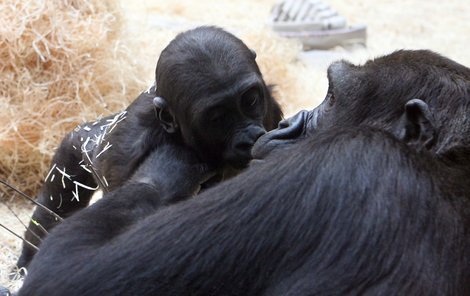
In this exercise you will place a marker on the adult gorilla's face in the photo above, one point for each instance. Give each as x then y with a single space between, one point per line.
419 96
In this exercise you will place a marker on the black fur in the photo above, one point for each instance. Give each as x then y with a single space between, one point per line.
355 207
375 94
358 212
202 72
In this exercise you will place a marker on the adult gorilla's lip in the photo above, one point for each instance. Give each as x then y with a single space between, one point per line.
261 150
288 131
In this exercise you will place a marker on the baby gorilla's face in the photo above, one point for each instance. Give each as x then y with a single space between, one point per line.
216 95
224 126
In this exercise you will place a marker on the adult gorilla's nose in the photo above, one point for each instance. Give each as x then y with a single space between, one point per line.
288 131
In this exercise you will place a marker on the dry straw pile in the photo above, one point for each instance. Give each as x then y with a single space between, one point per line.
61 62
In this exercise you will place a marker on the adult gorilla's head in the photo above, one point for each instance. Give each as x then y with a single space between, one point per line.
419 96
211 92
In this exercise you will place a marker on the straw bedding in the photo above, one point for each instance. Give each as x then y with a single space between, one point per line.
61 63
66 62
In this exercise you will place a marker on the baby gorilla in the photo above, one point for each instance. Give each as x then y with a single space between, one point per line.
209 96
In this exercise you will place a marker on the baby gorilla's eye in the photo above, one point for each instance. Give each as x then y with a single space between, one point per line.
250 100
253 100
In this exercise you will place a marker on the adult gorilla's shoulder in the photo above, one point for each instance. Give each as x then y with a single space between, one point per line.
349 201
372 199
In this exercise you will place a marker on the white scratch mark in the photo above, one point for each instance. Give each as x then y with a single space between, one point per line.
85 186
50 171
104 149
85 168
64 175
86 151
75 194
60 202
105 181
85 144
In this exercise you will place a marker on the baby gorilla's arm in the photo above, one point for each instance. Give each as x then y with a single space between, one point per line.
168 175
174 171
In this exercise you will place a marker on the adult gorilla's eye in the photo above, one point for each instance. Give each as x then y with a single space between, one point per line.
331 99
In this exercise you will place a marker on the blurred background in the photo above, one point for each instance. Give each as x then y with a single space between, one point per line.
64 62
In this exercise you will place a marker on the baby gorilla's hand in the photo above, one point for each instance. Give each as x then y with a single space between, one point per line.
174 171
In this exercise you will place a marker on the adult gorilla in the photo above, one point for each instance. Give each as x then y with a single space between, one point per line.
210 97
352 210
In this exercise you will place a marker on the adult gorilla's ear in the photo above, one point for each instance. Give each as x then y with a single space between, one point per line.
165 115
417 125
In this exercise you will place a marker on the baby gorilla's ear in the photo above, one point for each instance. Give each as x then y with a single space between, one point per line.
165 115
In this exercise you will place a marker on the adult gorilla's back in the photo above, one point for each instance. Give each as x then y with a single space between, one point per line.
347 212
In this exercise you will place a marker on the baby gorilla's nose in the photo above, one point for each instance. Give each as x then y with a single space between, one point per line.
240 153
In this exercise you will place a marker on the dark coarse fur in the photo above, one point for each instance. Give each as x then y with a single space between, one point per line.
374 94
372 200
423 99
387 83
202 73
347 212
